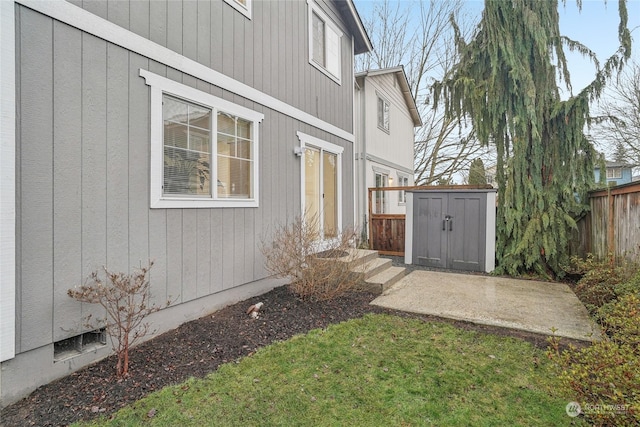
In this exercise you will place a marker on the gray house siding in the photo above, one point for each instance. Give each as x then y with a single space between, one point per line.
83 165
217 36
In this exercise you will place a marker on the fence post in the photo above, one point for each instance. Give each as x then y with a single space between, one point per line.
611 247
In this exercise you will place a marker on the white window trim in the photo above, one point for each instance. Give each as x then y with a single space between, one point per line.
385 173
314 8
7 182
160 86
402 195
616 173
380 170
245 10
385 101
312 141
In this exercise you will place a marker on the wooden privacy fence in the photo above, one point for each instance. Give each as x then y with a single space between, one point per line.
613 224
386 231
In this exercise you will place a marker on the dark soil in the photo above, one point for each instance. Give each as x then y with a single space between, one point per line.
194 350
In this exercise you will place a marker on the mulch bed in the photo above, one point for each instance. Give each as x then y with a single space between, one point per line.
194 350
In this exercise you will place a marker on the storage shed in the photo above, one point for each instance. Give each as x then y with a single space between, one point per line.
453 229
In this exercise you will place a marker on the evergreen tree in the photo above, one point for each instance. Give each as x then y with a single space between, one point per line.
602 167
477 174
620 153
505 82
445 182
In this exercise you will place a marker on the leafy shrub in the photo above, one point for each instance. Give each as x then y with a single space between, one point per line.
314 272
125 297
630 287
599 279
605 377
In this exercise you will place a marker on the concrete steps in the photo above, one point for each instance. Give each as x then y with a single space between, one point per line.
385 279
374 273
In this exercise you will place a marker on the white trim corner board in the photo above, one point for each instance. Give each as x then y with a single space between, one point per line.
7 181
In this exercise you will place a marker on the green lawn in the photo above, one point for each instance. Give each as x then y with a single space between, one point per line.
375 371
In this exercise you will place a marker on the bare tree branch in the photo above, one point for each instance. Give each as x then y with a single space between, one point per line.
424 43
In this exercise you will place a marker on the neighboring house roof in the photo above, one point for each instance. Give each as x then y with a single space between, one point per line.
361 41
618 164
404 88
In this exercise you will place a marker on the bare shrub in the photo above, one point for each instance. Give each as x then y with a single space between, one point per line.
316 271
125 297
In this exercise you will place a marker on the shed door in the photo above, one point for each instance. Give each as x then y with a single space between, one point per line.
450 230
430 239
467 231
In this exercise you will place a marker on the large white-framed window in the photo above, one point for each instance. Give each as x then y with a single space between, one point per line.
325 41
383 114
242 6
403 181
204 149
321 183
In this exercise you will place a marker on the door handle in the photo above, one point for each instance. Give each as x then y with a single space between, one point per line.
444 225
450 224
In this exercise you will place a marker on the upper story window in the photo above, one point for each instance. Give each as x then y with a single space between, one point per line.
324 43
204 150
613 173
242 6
383 114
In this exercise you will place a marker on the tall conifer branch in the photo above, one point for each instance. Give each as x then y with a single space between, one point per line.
506 82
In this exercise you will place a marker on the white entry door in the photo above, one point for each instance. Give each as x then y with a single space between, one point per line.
321 198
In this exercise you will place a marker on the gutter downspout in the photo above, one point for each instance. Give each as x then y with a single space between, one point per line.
363 159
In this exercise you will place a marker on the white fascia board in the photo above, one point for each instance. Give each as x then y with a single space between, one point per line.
79 18
7 181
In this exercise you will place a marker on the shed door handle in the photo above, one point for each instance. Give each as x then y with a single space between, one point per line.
444 225
450 224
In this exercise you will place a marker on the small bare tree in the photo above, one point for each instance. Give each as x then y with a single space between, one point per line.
617 130
125 297
315 271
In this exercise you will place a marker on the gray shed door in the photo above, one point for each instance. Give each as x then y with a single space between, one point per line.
450 230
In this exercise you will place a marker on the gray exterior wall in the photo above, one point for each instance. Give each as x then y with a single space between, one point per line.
268 52
82 148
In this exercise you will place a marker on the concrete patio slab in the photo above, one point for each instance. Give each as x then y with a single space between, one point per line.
528 305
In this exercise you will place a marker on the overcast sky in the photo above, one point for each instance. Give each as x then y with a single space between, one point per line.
596 26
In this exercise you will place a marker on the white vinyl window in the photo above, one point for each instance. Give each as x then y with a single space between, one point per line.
614 173
403 181
380 196
203 148
242 6
383 114
324 43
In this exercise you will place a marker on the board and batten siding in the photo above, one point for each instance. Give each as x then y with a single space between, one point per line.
82 161
215 35
83 187
396 146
